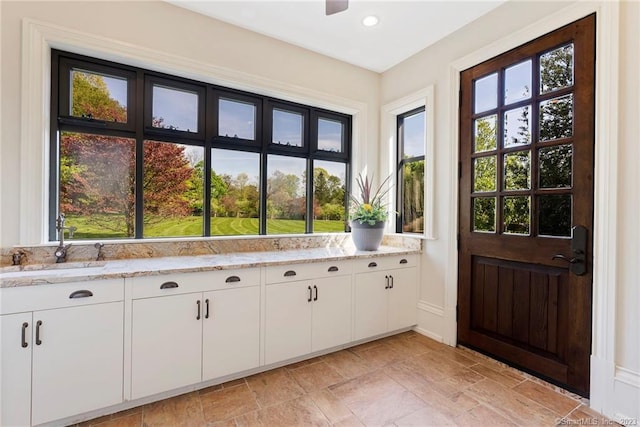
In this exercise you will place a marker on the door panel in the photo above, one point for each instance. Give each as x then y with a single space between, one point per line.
331 320
287 321
166 350
526 183
230 331
78 365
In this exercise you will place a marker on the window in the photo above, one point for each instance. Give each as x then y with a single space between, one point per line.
140 154
411 171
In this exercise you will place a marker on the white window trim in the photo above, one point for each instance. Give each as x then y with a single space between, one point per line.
38 38
389 117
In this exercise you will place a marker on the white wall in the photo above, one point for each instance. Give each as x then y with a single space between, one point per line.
155 35
616 349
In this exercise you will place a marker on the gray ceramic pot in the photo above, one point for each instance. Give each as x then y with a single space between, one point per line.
367 237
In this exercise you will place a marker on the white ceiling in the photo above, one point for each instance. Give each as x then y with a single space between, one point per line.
405 27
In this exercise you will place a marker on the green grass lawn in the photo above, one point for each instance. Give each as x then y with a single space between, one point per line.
95 228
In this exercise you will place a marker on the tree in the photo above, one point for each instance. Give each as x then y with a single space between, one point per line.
98 172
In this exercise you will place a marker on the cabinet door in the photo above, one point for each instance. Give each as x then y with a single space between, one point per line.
403 300
166 343
15 372
371 304
231 331
288 321
331 319
77 361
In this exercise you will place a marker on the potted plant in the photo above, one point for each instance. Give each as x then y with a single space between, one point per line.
368 214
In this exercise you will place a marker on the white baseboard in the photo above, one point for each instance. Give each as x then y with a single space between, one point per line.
615 391
626 400
428 333
430 320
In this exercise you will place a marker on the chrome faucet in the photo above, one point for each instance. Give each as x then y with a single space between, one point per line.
61 251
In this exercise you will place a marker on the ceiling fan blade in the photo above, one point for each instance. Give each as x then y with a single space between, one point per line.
335 6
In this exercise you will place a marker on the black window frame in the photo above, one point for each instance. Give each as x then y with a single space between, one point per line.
401 162
139 127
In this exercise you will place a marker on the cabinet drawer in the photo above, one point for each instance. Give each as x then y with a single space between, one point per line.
294 272
44 297
180 283
384 263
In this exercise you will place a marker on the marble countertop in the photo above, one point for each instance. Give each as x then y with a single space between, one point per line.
41 274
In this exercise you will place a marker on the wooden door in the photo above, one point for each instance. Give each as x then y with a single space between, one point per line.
526 180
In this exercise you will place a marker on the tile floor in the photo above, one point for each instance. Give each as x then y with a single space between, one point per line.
404 380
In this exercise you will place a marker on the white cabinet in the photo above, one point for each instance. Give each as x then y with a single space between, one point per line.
304 316
231 333
15 377
193 327
59 362
385 295
166 349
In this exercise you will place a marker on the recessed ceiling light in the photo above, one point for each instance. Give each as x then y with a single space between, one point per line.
370 21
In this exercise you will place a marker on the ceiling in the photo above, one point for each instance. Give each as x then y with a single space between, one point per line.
405 27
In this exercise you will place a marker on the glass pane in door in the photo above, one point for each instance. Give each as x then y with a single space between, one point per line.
554 215
484 214
556 69
517 170
486 93
486 134
516 215
556 118
555 165
484 171
517 82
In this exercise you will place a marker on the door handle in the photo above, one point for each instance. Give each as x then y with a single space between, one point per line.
386 281
198 316
578 261
310 294
564 258
391 286
315 288
206 308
